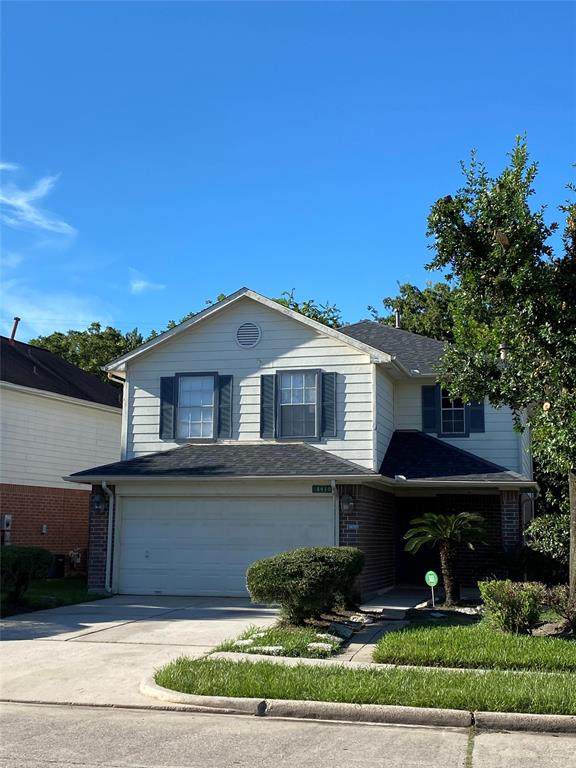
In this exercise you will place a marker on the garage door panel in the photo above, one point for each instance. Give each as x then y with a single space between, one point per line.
185 546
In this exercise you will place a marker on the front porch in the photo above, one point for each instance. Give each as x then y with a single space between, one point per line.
376 520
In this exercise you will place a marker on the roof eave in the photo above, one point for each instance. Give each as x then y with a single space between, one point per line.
94 479
495 484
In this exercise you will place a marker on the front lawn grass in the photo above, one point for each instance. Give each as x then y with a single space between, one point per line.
50 593
294 641
494 690
474 644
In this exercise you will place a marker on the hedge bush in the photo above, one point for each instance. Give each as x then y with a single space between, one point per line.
305 582
19 565
513 606
564 603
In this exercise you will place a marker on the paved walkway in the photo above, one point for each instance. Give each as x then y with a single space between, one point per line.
98 652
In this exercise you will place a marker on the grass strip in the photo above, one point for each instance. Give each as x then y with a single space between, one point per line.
50 593
294 641
475 646
494 691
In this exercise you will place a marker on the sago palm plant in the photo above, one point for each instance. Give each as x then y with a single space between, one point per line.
446 532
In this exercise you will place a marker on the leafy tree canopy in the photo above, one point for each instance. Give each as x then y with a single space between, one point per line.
426 311
513 306
92 348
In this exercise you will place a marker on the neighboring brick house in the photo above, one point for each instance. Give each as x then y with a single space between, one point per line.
55 419
250 429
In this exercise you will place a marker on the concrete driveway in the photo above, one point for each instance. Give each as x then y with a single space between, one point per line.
97 652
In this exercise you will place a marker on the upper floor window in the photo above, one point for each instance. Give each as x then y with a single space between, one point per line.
453 415
298 404
448 416
195 416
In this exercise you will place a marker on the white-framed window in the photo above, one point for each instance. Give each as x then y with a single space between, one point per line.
196 407
298 404
452 415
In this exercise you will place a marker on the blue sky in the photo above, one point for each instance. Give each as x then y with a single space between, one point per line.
162 153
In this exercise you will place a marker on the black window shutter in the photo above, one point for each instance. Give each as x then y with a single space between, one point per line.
429 409
268 406
167 407
477 416
328 404
225 406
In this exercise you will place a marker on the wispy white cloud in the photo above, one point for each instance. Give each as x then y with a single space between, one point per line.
43 312
19 207
10 260
139 284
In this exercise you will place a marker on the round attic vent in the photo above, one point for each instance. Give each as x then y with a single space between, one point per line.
248 335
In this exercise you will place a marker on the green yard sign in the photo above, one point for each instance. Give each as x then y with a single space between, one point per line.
431 578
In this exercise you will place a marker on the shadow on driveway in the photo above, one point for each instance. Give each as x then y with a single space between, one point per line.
141 619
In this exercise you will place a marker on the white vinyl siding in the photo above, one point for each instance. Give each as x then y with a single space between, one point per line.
498 443
384 414
43 438
524 446
285 344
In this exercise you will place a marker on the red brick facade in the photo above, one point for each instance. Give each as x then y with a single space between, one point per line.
62 513
99 505
369 525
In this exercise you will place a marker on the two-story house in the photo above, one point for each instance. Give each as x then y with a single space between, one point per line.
251 429
54 419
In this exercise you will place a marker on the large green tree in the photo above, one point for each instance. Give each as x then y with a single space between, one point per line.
422 310
514 308
92 348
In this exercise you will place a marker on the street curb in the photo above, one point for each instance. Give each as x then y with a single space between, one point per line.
363 713
312 710
516 721
224 704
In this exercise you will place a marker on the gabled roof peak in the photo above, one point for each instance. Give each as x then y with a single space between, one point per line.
378 355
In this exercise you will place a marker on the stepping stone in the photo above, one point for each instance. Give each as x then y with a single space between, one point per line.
341 629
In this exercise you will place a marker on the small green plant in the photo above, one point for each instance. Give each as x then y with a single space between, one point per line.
446 532
561 601
305 582
19 565
513 606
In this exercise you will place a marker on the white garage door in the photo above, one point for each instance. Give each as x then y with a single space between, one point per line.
179 546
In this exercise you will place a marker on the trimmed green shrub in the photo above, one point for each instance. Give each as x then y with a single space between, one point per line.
513 606
19 565
561 601
305 582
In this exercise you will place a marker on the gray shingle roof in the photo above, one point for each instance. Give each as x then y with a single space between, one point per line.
225 460
414 351
38 368
418 456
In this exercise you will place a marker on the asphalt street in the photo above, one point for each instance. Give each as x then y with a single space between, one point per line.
63 736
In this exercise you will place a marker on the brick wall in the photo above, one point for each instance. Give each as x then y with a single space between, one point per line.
98 546
482 562
63 511
370 527
511 519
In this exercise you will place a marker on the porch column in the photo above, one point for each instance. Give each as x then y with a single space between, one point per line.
97 539
511 519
